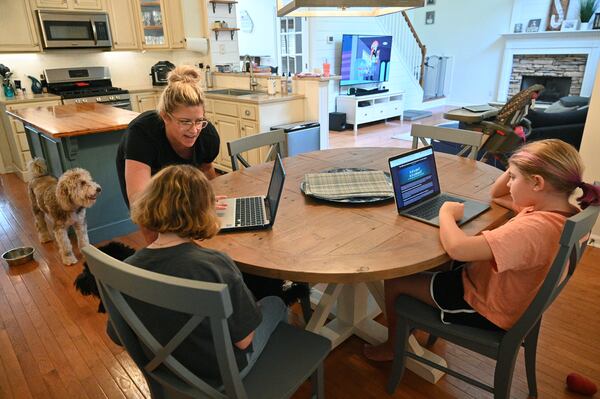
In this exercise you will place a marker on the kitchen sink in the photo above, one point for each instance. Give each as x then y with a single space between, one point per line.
232 92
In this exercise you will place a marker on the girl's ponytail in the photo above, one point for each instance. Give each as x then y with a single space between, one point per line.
591 195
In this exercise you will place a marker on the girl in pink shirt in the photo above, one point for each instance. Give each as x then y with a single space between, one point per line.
504 267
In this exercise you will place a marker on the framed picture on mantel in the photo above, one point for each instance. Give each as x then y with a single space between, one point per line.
596 24
518 28
533 25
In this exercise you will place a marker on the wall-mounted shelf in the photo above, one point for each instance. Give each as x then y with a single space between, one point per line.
229 3
230 30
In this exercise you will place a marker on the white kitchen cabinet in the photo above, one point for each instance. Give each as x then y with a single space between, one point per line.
370 108
123 15
151 21
229 130
175 24
144 101
235 119
69 4
17 27
15 134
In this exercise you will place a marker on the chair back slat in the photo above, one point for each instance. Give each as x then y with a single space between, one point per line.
275 139
188 296
471 139
573 242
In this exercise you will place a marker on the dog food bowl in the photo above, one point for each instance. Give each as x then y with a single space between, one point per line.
18 256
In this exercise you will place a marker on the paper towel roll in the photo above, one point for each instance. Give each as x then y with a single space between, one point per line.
198 44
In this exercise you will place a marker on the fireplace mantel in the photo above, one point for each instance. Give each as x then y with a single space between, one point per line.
551 43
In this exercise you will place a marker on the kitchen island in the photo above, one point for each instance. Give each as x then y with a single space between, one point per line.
85 136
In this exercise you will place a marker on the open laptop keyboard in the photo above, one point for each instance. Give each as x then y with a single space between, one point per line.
430 209
249 211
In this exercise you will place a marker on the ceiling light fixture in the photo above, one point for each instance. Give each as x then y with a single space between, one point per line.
343 8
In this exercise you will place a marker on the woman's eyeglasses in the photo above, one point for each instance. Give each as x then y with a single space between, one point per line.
187 124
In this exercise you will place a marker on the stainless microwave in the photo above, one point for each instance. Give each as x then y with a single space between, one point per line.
62 29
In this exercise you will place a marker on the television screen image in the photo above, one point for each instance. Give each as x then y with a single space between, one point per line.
365 59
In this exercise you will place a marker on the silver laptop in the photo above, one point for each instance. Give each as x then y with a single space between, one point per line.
479 108
254 213
417 188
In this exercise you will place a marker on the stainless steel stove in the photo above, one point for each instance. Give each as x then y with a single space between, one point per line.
86 85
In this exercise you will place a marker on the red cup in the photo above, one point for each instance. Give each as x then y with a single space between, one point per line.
326 69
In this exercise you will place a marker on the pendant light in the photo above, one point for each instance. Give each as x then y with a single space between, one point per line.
343 8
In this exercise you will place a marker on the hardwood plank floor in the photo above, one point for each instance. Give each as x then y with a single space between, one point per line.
53 343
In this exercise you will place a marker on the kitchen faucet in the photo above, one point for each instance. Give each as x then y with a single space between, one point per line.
253 82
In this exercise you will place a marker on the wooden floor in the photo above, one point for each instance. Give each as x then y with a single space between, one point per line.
53 345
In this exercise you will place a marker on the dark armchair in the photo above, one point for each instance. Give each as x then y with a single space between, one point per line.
567 126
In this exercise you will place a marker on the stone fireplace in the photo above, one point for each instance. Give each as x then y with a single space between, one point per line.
564 62
561 74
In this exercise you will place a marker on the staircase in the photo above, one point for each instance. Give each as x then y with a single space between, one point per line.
408 52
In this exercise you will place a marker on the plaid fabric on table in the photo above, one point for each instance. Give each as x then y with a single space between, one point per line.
341 185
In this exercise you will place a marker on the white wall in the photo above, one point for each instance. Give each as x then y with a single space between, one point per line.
223 50
590 143
129 69
469 32
262 41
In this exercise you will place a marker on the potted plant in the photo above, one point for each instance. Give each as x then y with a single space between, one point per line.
586 10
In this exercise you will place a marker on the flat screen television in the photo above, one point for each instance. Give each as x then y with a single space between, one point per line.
365 59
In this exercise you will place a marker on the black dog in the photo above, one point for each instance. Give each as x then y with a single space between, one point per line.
86 283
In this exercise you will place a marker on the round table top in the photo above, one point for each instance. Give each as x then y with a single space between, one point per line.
318 241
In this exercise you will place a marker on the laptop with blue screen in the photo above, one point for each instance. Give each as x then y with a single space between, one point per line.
417 188
254 213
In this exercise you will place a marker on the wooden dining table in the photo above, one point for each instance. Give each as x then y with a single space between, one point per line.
349 248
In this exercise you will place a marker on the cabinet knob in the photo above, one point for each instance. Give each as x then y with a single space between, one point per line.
243 128
247 113
116 42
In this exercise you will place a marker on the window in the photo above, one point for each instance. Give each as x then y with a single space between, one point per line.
293 44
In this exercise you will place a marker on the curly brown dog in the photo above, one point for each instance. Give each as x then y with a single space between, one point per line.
62 203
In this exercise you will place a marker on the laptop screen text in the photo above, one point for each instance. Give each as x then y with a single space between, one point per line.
414 177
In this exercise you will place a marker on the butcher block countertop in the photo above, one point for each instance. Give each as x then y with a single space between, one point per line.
74 119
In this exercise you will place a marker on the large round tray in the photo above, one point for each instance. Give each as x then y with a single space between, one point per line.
351 200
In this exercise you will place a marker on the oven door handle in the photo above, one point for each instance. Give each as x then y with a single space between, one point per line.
94 31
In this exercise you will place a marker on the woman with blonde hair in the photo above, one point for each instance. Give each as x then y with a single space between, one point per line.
179 204
177 133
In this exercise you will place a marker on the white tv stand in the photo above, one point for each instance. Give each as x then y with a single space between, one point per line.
369 108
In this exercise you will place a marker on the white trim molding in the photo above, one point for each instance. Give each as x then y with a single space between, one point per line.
551 43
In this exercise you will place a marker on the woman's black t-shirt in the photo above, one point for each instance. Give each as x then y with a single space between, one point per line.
146 141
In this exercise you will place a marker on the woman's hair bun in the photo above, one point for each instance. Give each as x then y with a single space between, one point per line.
184 74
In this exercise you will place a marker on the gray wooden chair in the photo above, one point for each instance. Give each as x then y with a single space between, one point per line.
471 140
275 139
290 357
499 345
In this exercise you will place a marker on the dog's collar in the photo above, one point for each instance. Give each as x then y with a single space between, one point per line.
81 208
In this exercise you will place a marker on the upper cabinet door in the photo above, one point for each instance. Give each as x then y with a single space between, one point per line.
154 33
51 3
175 24
86 4
17 28
122 16
70 4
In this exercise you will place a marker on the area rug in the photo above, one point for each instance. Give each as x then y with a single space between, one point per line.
414 114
